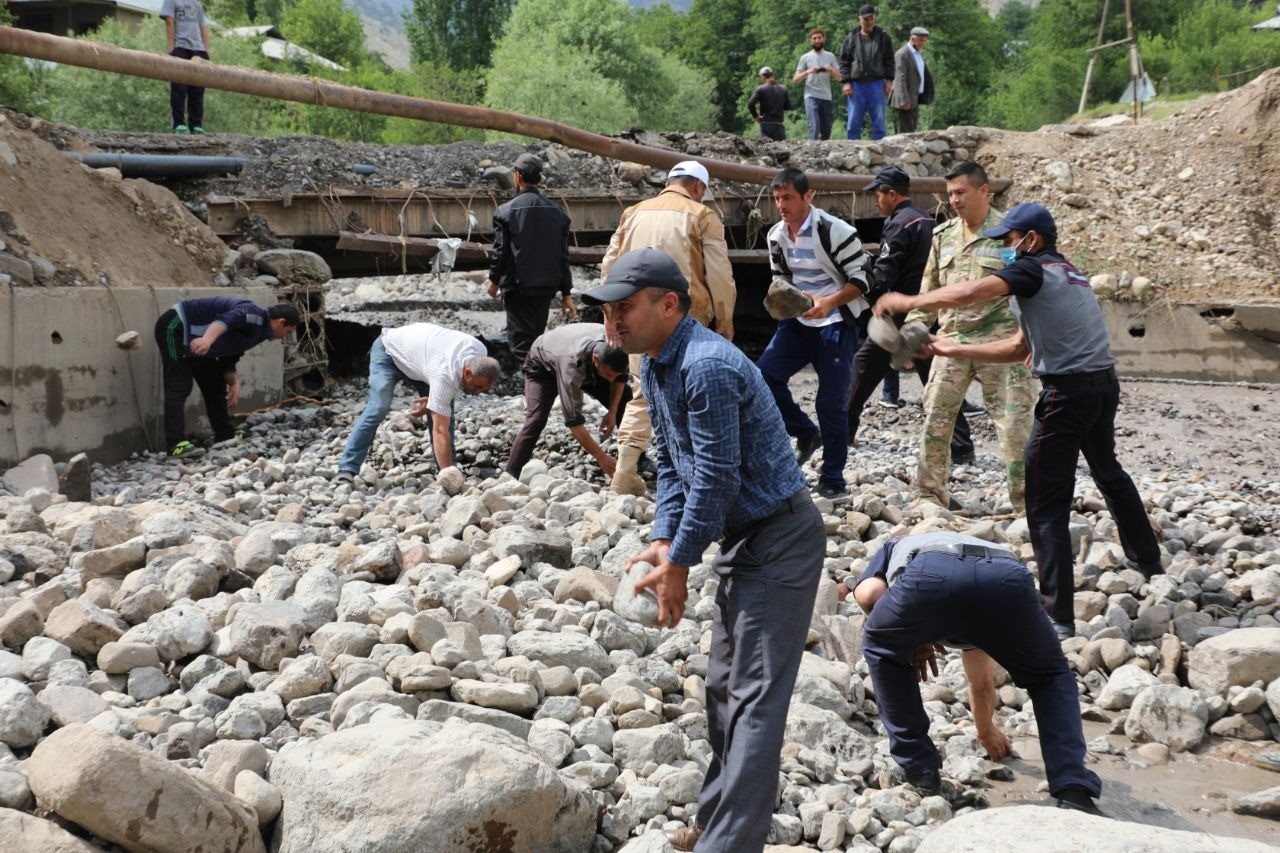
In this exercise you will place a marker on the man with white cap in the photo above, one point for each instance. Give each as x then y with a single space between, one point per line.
768 105
677 222
912 81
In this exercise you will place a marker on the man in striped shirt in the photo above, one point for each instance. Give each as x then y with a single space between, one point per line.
439 363
821 255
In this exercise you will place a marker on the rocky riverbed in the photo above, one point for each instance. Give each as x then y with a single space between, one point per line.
234 647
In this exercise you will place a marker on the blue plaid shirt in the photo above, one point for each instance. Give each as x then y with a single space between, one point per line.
724 459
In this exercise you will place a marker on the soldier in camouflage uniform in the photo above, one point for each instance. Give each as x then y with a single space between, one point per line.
961 253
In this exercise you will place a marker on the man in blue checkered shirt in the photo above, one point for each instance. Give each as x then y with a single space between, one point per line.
725 471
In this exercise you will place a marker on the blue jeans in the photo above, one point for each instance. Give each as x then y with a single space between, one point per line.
866 98
830 350
819 112
383 378
990 603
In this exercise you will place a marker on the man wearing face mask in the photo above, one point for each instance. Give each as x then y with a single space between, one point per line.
960 252
1060 327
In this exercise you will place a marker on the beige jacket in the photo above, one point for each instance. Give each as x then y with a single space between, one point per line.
693 235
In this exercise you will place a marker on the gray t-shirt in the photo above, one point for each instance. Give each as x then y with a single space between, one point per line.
1059 314
188 18
817 85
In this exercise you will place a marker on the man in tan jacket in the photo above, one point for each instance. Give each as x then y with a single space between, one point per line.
692 233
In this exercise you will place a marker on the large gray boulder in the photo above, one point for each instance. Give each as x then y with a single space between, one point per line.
265 634
1017 829
551 649
22 716
1238 657
532 546
365 789
293 266
135 798
20 831
1168 714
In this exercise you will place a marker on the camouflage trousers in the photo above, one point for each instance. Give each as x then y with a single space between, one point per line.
636 430
1008 392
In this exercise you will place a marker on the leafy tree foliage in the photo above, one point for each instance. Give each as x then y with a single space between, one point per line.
327 28
458 33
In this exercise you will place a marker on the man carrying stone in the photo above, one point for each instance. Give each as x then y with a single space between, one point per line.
904 251
188 37
724 472
912 82
530 258
768 105
677 222
1060 327
814 70
200 342
866 70
439 363
821 255
563 363
961 252
931 588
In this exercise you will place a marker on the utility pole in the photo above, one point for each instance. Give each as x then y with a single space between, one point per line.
1093 57
1135 62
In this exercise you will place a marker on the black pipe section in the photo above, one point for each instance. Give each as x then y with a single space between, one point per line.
161 165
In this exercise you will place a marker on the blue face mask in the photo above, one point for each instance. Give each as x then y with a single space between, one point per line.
1009 254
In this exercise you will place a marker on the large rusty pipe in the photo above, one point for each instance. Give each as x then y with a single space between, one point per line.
309 90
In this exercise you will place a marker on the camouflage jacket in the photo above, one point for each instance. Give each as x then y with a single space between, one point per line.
951 259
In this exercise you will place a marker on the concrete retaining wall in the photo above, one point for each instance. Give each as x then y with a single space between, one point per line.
65 387
1239 343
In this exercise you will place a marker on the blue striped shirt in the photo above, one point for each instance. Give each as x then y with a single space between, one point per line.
806 272
724 459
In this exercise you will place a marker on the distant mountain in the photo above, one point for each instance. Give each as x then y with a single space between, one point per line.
383 22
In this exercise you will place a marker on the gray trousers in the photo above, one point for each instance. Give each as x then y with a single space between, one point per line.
768 579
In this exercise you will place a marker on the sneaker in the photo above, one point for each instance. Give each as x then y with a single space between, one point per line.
198 130
805 447
1079 800
185 450
832 493
1064 631
182 128
971 410
890 404
343 478
1155 568
928 784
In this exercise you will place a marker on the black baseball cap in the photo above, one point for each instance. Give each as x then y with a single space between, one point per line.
891 177
1024 217
868 9
635 271
529 167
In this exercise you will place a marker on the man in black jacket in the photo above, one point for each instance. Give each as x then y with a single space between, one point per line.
904 248
768 105
866 70
530 258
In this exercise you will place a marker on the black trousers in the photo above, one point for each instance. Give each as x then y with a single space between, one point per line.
870 367
539 395
526 319
906 120
774 130
1077 414
180 372
186 103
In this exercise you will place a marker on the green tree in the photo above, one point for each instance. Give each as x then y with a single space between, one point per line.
1212 47
716 41
327 28
24 85
230 13
458 33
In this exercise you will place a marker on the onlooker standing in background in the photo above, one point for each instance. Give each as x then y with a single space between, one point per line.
768 105
814 70
866 70
188 35
912 82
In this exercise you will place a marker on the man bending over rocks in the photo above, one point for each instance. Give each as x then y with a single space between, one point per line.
933 588
439 363
565 362
725 471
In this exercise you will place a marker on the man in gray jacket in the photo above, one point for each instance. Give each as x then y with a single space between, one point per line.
912 82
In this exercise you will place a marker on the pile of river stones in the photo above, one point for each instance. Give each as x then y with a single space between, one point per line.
235 649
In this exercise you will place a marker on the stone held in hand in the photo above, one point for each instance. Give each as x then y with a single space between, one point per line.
902 344
640 607
785 301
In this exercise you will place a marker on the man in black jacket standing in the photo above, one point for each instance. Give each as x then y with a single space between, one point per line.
530 258
866 70
768 105
904 248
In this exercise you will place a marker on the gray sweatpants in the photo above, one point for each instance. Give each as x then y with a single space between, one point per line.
768 579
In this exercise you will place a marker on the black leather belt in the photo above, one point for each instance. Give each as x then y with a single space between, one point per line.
1106 376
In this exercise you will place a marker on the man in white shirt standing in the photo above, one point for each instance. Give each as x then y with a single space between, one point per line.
912 81
439 363
814 70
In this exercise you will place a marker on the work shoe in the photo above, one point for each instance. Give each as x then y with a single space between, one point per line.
1064 631
1079 800
890 404
185 450
182 128
1155 568
343 478
198 130
685 838
805 447
971 410
626 476
928 784
832 492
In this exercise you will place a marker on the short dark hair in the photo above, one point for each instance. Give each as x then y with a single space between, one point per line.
819 31
970 171
286 311
682 297
791 177
614 358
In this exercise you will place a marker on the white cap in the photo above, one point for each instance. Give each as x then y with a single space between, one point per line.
692 169
766 72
